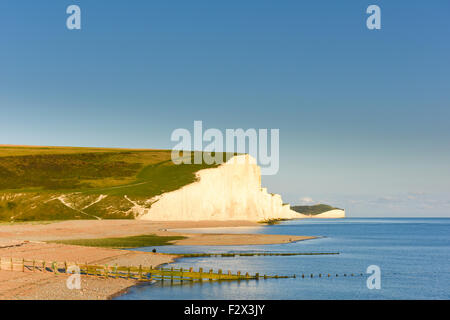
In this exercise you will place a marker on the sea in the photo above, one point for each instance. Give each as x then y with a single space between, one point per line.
390 258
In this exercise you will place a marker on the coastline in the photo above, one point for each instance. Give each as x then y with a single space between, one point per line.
27 240
94 229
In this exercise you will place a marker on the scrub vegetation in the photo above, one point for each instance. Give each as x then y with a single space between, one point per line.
124 242
313 210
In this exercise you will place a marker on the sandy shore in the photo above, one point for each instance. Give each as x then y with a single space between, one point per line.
92 229
26 240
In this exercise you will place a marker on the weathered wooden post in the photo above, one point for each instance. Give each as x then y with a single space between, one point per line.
23 265
129 273
140 272
200 271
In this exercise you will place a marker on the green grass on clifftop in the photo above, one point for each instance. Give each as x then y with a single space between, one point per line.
99 171
313 210
33 180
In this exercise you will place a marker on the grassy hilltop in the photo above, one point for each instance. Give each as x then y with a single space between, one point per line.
55 183
313 210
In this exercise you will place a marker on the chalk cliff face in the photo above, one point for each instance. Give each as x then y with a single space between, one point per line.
232 191
331 214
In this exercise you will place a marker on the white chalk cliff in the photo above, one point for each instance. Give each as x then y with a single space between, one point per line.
231 191
331 214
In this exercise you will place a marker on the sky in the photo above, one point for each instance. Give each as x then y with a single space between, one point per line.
363 114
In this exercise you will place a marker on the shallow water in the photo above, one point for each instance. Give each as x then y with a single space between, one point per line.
413 254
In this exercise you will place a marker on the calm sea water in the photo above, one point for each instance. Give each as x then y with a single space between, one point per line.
413 254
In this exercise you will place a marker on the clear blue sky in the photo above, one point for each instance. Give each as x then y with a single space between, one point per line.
363 115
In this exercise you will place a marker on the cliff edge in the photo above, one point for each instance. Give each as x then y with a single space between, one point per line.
331 214
72 183
319 211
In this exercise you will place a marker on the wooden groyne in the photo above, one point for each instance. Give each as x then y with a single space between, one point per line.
139 273
251 254
145 273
